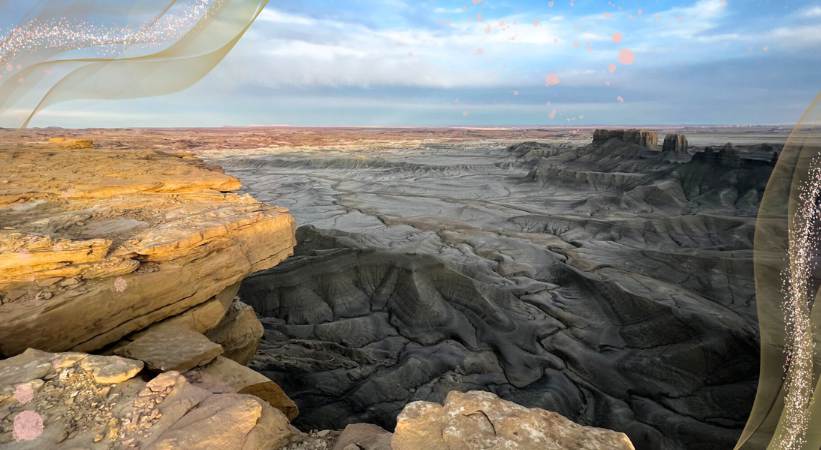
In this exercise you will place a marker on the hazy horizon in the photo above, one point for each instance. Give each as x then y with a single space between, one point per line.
433 127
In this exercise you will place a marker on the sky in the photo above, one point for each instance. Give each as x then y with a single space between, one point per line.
497 63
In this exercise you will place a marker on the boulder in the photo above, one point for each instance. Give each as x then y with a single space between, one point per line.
363 436
644 138
206 316
481 420
165 348
110 369
95 248
239 333
226 375
674 143
59 401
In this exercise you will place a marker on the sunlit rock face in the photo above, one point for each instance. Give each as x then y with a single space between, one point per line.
605 282
98 243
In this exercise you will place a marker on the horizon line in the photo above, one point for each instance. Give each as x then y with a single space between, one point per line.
418 127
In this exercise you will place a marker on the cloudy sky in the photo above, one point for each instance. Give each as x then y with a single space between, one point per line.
498 62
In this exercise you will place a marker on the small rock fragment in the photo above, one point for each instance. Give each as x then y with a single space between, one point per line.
111 369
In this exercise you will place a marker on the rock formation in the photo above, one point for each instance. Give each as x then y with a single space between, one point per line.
363 436
164 348
75 400
99 246
644 138
481 420
238 333
674 143
136 253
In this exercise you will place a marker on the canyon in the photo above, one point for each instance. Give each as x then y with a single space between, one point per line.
357 288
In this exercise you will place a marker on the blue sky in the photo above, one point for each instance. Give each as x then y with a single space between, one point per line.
483 63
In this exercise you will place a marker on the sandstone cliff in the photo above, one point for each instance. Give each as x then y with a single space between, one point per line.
96 244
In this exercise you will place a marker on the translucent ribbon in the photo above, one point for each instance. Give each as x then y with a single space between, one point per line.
64 50
786 413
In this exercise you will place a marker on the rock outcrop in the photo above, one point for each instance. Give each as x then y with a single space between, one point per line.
164 348
98 245
238 378
675 143
238 333
644 138
75 400
363 436
480 420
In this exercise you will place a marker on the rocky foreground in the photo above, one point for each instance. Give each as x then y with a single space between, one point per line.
120 266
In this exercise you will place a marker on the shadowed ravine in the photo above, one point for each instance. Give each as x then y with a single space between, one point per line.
609 282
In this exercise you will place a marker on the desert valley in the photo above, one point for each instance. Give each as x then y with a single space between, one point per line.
374 288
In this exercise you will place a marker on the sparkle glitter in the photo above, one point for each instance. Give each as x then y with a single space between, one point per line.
797 303
64 34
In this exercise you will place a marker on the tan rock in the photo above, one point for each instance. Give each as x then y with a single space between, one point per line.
165 348
69 408
364 436
272 430
206 316
142 235
66 360
238 333
111 369
71 143
221 421
227 375
481 420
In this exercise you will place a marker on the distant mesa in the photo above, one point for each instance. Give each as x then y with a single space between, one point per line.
71 143
674 143
644 138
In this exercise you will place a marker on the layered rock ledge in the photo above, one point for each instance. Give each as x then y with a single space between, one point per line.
99 243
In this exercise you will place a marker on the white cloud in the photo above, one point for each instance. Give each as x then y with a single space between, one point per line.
288 49
270 15
813 11
795 37
441 10
691 21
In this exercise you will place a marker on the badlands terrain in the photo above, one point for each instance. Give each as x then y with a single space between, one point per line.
599 278
605 276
